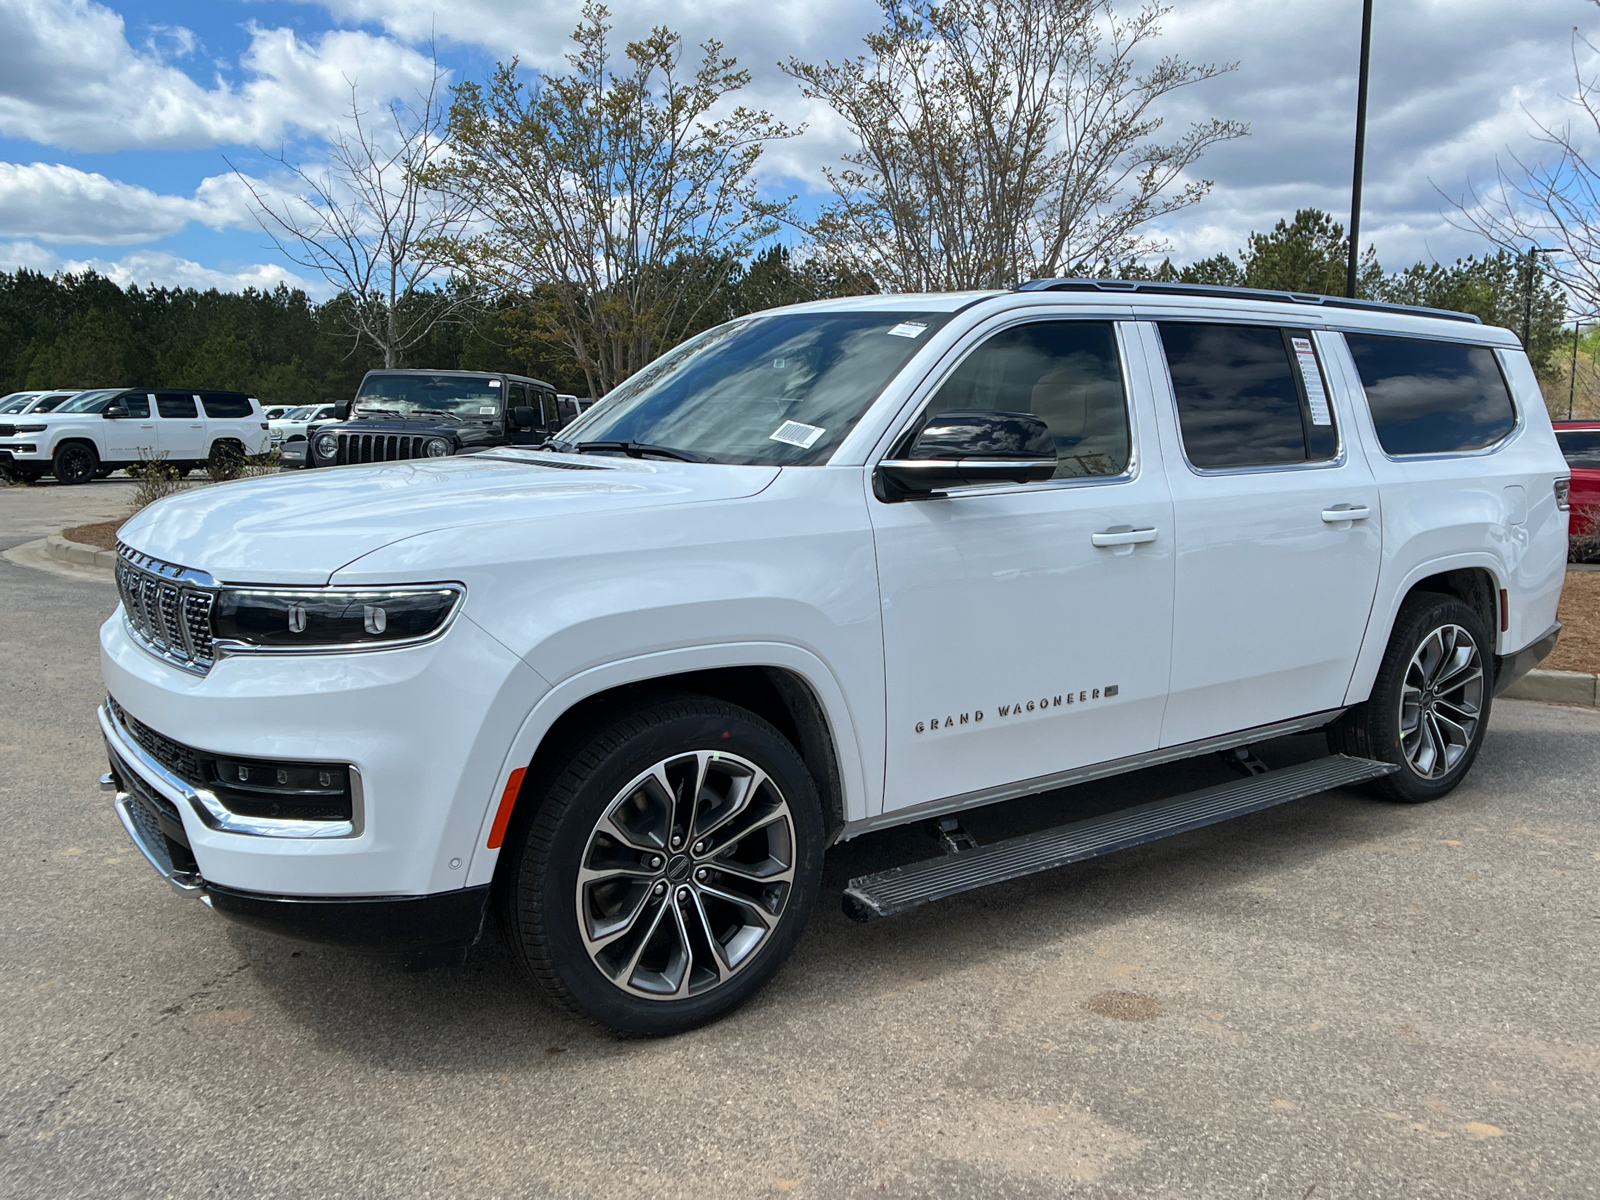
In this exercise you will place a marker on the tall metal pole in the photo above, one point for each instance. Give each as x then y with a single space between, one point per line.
1572 379
1527 299
1361 149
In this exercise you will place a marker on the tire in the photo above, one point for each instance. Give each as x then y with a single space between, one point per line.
751 889
74 462
104 472
1431 733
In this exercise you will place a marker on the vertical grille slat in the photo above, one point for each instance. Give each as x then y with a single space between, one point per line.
378 447
168 613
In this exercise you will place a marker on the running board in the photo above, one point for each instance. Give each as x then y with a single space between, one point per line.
900 888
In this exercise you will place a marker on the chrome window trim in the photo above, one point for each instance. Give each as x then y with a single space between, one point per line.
1340 458
958 354
231 647
212 812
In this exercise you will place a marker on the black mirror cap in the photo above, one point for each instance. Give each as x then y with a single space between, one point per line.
341 411
963 449
524 417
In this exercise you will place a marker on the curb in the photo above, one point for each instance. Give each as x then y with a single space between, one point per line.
78 554
1556 687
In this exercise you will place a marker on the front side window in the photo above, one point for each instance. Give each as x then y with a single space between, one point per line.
94 401
1066 373
1248 395
1430 397
1580 447
780 390
444 393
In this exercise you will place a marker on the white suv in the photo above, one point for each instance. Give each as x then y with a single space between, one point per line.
98 431
820 571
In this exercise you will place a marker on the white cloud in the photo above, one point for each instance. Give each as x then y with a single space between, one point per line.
54 203
159 268
69 77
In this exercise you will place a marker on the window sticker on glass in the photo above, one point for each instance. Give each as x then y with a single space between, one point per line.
494 383
908 329
777 363
487 410
1318 399
797 434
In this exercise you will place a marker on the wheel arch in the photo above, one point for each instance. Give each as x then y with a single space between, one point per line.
787 686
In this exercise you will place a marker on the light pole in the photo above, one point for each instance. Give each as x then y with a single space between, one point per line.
1361 149
1527 302
1572 379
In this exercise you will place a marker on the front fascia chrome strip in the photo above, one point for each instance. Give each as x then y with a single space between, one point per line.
1116 766
171 572
211 811
157 856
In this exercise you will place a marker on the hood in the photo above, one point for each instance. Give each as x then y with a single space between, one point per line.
300 527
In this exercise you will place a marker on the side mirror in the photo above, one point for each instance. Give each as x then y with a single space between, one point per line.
113 412
341 411
961 449
524 417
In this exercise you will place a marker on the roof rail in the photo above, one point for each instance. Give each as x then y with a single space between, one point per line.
1219 292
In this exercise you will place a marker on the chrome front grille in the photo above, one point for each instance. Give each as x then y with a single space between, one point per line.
379 447
168 608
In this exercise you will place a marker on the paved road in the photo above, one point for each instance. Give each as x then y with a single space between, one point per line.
1337 998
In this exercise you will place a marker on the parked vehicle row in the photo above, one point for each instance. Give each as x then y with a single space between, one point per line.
95 432
819 571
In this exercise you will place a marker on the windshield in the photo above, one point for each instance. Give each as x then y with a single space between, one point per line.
782 390
299 413
459 395
16 402
89 402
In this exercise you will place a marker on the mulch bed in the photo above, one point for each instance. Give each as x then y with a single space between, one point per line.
1578 648
102 536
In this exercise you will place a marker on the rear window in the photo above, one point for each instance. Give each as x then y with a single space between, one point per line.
1248 395
1430 397
226 404
1580 447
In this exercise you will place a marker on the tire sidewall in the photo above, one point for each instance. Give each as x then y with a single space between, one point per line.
65 454
546 874
1419 618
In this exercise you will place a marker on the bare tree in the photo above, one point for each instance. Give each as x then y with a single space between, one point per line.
368 221
1004 139
1551 205
616 189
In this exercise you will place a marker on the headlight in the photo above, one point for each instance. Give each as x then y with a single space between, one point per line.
323 619
437 447
32 428
327 445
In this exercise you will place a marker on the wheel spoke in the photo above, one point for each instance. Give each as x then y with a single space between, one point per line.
599 935
719 962
767 919
1463 661
742 793
757 872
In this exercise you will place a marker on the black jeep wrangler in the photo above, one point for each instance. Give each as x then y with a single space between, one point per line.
401 414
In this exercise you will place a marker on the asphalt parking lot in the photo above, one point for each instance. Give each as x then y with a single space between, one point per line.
1335 998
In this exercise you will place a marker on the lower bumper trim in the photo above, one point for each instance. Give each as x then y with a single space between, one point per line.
1512 667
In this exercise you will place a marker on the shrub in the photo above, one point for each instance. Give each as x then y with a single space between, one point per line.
154 478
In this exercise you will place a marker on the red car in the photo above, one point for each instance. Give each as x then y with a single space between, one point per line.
1580 446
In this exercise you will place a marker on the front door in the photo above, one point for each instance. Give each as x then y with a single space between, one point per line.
132 437
1027 627
181 426
1278 528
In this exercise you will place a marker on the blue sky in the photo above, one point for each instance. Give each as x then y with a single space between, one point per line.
118 121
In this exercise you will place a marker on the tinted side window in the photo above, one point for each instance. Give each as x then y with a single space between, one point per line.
1580 447
1066 373
176 405
1248 395
226 404
1432 397
137 403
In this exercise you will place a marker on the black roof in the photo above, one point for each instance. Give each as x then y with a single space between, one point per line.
1217 291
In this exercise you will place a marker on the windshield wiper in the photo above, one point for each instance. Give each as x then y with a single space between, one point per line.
640 449
393 412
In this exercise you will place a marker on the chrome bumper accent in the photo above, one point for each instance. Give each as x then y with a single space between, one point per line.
205 805
153 847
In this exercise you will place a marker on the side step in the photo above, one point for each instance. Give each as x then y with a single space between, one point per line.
900 888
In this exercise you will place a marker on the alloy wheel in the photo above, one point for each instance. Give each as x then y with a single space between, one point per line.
686 875
75 465
1441 701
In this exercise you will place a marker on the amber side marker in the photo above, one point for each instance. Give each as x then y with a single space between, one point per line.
508 801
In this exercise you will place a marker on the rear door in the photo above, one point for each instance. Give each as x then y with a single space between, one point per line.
180 428
1278 526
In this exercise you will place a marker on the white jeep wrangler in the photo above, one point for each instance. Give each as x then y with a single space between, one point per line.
820 571
95 432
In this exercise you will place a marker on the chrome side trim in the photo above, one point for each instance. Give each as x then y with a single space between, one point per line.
1115 766
211 811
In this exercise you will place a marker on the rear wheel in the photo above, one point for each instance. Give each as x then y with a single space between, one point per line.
669 868
75 462
1429 706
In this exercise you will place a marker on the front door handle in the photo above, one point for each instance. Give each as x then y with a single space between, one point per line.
1122 535
1345 512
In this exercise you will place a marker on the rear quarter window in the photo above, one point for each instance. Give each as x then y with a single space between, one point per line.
226 404
1432 397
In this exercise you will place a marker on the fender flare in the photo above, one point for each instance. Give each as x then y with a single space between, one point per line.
641 669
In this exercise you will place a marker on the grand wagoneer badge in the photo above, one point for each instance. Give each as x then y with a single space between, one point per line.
1021 708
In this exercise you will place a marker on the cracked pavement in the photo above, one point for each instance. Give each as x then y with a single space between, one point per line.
1336 998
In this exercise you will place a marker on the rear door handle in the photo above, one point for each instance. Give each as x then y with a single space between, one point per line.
1122 535
1345 512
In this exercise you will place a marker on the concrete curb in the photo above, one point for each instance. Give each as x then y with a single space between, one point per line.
78 554
1556 687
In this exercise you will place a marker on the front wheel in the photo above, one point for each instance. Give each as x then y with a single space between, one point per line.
669 867
75 462
1429 707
